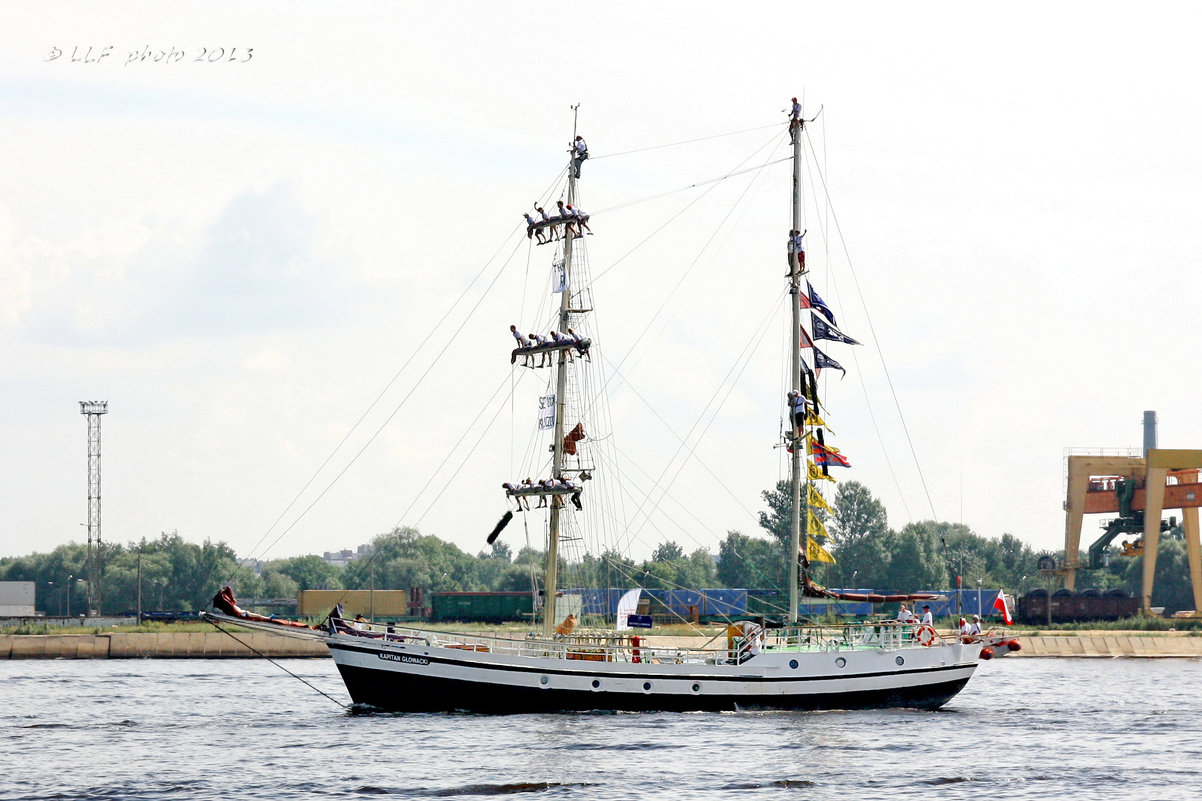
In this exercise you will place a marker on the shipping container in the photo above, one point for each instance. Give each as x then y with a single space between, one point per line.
381 603
482 607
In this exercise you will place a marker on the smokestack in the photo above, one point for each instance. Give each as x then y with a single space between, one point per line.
1149 432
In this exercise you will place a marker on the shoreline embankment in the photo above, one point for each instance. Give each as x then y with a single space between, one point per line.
218 645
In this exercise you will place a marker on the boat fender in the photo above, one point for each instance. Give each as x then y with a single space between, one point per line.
501 524
987 653
1014 645
635 654
926 636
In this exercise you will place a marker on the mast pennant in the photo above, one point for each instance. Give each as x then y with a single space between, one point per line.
824 330
821 360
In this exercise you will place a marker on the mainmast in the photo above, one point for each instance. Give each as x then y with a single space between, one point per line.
798 562
551 570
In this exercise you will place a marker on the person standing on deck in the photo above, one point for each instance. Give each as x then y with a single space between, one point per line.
974 628
927 618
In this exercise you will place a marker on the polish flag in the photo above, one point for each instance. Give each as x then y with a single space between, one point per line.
999 604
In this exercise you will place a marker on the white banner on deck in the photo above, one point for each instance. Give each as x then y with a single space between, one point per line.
546 412
628 605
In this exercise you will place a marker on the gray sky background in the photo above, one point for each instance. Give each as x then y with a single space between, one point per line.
240 256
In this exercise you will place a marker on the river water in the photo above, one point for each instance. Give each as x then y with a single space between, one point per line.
242 729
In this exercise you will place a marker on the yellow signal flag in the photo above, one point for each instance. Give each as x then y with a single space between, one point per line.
813 419
815 528
816 473
816 553
816 501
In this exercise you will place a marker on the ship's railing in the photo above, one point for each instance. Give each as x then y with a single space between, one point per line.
617 647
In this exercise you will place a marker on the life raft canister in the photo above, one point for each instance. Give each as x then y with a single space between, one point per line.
635 654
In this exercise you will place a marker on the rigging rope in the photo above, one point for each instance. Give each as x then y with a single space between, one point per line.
277 664
872 330
685 142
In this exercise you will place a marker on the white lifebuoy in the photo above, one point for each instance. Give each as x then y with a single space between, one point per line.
925 635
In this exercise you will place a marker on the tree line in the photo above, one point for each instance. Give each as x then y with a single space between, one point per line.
174 574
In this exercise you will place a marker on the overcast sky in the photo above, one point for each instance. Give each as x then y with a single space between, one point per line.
240 251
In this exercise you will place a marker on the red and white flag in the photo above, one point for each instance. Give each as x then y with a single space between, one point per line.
999 604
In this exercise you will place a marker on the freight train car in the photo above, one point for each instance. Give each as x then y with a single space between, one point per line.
1070 607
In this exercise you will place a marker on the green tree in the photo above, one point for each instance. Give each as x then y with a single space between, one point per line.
307 572
857 514
751 562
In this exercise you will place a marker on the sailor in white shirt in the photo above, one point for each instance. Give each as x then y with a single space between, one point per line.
539 341
927 618
567 218
548 219
514 489
796 252
581 218
523 342
580 154
797 407
531 231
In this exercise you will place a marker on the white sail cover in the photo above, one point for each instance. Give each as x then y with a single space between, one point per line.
628 605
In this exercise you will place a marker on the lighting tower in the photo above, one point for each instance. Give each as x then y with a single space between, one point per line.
93 410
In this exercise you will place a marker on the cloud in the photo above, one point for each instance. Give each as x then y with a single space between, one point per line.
256 266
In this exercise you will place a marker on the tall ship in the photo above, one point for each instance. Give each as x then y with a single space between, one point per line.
565 667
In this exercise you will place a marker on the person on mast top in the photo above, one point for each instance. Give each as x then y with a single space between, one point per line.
532 230
795 114
579 154
797 407
796 252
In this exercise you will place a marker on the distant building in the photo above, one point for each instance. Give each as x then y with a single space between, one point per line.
346 555
17 599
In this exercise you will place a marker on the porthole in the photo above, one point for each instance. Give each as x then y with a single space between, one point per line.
793 664
647 686
900 661
596 684
696 688
840 662
543 680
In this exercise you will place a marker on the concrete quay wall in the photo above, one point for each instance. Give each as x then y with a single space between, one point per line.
156 645
217 645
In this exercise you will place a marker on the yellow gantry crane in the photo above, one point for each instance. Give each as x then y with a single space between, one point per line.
1139 489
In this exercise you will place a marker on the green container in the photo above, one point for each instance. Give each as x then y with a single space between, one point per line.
480 607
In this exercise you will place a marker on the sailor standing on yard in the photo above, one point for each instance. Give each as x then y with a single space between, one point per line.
550 223
532 231
524 343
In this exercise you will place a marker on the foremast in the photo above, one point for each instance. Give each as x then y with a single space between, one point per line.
799 564
551 568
